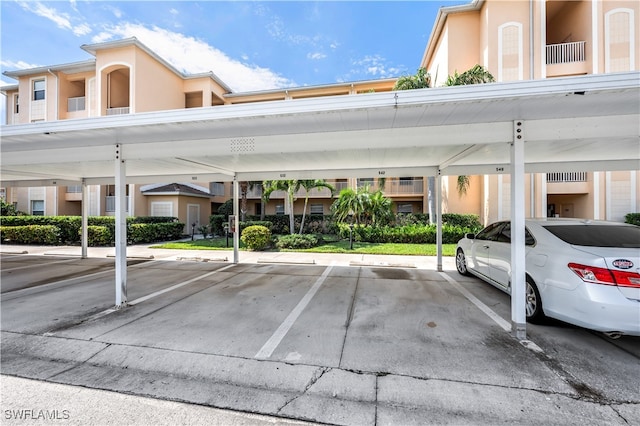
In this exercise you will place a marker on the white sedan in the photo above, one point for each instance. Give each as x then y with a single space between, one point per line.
583 272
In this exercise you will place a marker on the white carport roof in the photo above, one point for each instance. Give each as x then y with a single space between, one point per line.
577 123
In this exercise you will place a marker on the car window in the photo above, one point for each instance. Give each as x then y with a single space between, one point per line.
491 232
505 236
597 235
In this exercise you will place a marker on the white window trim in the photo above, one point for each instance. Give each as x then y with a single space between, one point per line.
31 80
632 39
520 53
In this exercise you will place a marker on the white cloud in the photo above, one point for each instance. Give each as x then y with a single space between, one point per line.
62 20
191 55
316 55
374 66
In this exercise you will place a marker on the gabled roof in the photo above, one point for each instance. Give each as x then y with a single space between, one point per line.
174 189
69 68
133 41
441 18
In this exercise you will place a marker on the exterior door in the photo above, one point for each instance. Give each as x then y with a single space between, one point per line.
193 215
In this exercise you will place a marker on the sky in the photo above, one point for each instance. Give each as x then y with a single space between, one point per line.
250 45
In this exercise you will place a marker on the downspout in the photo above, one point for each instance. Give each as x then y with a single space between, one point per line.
57 92
531 55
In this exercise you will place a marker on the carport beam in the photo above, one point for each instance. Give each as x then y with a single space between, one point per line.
121 228
518 279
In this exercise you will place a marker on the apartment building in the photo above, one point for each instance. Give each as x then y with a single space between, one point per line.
514 40
525 40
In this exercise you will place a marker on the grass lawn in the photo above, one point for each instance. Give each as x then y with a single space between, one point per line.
329 247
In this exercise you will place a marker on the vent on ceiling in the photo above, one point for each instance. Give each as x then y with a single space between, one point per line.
242 145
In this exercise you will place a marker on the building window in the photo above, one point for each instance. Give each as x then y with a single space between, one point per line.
510 52
317 208
405 208
161 208
280 209
16 104
37 207
619 37
38 90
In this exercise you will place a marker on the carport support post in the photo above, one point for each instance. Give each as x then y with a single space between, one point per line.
518 292
121 229
236 209
438 212
85 219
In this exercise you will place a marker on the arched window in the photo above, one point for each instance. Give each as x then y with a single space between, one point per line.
510 52
619 41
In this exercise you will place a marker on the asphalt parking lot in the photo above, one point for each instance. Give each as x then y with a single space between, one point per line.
326 339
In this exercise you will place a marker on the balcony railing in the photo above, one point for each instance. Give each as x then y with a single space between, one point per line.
110 204
566 177
76 104
118 111
564 53
74 189
395 186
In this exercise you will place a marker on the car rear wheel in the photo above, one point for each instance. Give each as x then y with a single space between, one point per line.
461 263
533 303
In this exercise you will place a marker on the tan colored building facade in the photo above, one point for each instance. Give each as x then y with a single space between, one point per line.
514 40
524 40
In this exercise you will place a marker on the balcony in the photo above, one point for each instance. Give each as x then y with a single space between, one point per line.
73 193
76 104
395 187
566 59
118 111
567 183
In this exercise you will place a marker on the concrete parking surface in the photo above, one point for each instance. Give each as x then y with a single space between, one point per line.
323 338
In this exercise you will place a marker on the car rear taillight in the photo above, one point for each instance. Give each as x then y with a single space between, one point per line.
593 274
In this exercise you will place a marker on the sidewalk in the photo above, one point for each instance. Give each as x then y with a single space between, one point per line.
146 252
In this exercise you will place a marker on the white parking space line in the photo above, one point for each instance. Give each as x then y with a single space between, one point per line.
506 325
38 265
157 293
278 335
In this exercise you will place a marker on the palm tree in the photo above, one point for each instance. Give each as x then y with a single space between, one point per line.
476 75
290 187
421 80
308 185
362 207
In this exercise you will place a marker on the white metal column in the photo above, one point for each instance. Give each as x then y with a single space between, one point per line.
518 278
236 209
85 219
121 228
438 205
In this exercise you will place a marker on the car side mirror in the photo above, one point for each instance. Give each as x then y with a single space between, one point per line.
470 236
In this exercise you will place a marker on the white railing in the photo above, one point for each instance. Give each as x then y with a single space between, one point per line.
110 204
76 104
74 189
395 186
564 53
566 177
118 111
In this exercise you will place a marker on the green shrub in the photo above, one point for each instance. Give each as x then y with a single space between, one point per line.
30 234
99 236
297 241
138 233
256 237
408 234
632 218
216 222
68 226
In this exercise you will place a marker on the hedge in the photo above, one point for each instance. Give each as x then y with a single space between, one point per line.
296 241
632 218
31 234
408 234
101 229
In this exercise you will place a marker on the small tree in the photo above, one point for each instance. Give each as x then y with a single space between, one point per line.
476 75
290 187
308 185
